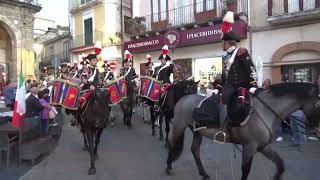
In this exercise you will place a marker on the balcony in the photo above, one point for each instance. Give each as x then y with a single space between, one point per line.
293 11
197 13
80 5
82 40
63 57
32 2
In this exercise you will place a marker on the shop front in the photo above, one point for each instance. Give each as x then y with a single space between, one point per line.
196 52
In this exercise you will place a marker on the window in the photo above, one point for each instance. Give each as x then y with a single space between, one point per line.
293 6
66 50
88 32
159 10
204 5
302 74
309 4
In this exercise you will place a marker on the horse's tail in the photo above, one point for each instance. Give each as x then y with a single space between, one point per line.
175 147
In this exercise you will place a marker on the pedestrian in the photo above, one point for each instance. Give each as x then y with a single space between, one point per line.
298 127
266 83
9 94
33 105
44 114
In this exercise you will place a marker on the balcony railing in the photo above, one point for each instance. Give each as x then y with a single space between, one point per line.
63 57
285 7
186 15
33 2
78 5
83 40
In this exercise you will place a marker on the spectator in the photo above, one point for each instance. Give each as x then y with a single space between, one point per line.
266 83
297 123
45 81
9 94
44 114
47 95
201 90
33 105
28 84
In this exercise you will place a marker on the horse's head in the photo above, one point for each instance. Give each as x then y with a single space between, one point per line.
101 97
186 87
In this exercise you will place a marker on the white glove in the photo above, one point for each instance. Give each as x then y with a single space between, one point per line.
91 79
168 63
216 91
252 90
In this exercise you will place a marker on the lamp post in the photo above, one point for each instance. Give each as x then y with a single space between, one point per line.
37 49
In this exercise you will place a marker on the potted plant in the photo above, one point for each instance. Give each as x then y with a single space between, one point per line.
231 5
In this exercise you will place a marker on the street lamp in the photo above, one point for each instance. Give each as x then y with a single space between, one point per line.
37 49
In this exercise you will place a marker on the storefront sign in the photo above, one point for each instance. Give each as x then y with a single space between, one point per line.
145 44
175 38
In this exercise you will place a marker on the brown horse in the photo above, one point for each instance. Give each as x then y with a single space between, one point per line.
255 134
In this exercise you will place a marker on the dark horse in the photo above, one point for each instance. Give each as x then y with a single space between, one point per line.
92 120
128 104
168 101
254 134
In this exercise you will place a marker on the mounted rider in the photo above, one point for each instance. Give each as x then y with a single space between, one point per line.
127 70
90 77
149 65
238 75
107 75
163 72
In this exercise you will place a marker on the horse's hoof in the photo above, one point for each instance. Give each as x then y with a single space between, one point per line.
92 171
96 157
169 171
85 148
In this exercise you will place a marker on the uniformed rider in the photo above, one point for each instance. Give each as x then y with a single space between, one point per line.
90 77
127 70
238 72
107 75
149 65
163 72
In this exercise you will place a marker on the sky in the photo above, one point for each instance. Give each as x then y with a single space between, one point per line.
56 10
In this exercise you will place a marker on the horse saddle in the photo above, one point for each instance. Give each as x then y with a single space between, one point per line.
208 112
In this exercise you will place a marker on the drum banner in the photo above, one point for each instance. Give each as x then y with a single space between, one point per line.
65 93
150 88
117 90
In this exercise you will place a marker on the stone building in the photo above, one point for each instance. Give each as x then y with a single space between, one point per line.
285 34
16 37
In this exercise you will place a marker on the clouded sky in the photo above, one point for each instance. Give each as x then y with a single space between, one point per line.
56 10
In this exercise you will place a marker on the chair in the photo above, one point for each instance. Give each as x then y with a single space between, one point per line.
6 144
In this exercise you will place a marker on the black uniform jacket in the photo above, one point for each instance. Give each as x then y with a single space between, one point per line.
164 74
242 72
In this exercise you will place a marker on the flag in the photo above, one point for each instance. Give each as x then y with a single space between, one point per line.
19 103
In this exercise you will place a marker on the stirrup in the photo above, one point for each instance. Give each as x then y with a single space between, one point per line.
224 137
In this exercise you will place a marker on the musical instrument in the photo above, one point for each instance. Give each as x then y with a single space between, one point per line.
150 88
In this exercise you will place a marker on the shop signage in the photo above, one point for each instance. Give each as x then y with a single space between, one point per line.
175 38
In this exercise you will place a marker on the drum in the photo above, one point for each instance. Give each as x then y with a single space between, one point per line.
65 93
117 90
149 88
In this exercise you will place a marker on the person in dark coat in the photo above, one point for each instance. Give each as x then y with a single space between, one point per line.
127 70
33 105
107 75
90 78
149 65
163 72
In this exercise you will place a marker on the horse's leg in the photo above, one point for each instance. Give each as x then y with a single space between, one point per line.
195 149
160 126
129 117
85 142
269 153
124 113
92 169
153 119
97 141
167 129
247 156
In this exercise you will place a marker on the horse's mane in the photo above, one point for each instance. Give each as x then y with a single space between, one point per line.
299 89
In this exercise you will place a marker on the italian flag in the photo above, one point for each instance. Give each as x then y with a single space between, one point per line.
19 103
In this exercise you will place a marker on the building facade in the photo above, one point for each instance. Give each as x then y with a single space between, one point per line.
16 37
285 34
98 20
55 51
191 29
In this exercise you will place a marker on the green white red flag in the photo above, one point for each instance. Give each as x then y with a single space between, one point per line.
20 103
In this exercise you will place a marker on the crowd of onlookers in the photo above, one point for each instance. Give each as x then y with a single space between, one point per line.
37 101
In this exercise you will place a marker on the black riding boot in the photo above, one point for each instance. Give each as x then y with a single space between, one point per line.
221 135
